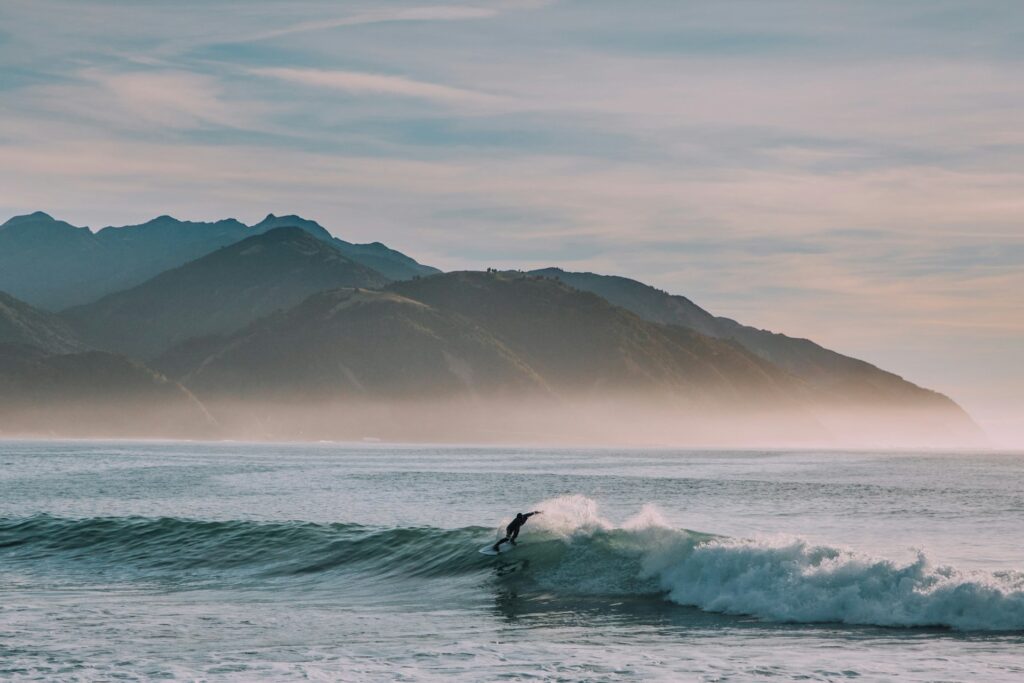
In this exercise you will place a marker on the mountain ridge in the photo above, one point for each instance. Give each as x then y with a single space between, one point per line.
54 265
802 357
290 312
219 292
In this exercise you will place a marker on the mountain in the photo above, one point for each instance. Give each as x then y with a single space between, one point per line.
272 222
24 325
348 364
579 342
444 331
475 355
54 265
285 331
472 355
47 262
220 292
841 376
92 394
854 400
646 301
354 343
392 264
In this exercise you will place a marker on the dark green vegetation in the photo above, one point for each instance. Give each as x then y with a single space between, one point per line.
287 332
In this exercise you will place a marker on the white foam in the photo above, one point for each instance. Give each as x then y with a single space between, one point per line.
782 579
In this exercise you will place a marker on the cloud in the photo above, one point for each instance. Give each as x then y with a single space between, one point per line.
430 13
377 84
136 99
167 98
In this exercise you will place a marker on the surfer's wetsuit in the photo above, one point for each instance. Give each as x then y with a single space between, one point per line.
512 530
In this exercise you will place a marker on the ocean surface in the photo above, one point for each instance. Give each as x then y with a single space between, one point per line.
245 562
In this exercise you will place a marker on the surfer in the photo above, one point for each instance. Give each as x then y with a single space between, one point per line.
512 530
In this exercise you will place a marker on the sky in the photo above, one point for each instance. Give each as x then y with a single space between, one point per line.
851 172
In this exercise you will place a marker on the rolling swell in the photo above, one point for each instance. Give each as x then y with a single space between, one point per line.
269 548
570 550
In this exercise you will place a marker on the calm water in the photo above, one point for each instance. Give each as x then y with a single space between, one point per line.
349 562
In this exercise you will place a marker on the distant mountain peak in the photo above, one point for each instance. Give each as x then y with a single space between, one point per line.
35 216
286 230
55 265
291 220
220 292
39 215
287 219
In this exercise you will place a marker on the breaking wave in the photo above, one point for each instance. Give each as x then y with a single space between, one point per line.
570 550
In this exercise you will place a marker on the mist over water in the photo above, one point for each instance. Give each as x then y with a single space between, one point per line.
604 418
276 561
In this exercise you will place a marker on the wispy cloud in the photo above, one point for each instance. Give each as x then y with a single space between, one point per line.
130 101
356 82
175 99
429 13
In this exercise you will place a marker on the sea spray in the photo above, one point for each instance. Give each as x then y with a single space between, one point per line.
777 579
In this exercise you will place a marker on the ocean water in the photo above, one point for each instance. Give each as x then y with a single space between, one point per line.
244 562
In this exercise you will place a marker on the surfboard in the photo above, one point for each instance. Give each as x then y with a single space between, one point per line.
502 549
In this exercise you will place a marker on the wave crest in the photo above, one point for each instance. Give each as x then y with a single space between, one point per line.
569 550
778 579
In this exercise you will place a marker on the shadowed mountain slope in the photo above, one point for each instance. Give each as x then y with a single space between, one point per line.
349 343
844 378
220 292
469 354
416 334
54 265
474 355
579 342
646 301
92 394
23 324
